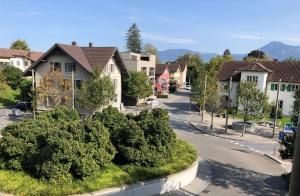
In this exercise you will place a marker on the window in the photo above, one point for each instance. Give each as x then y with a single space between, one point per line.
252 78
145 58
296 87
69 67
144 69
282 87
18 63
26 63
78 83
289 88
115 99
56 66
280 104
293 88
274 87
49 101
12 63
112 68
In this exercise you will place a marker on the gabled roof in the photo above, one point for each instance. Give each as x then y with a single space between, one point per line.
173 66
87 57
160 68
9 53
286 71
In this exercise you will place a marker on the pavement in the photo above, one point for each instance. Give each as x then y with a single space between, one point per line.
230 166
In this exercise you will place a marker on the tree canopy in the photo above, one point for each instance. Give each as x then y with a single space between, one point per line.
20 45
96 92
226 53
137 86
256 55
11 75
149 48
133 39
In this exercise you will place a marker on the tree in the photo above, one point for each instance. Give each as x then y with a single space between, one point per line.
256 55
26 90
149 48
291 59
133 38
12 75
137 86
96 92
227 53
254 102
54 90
20 45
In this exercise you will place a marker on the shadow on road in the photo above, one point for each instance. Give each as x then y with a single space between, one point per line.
251 182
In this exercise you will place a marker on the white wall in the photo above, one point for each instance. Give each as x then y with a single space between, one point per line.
262 78
285 96
14 62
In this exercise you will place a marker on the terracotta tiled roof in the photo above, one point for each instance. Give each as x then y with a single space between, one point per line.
9 53
87 57
160 68
286 71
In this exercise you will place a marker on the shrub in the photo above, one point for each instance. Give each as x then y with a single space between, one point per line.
55 149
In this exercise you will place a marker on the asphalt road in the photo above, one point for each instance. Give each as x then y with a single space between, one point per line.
235 170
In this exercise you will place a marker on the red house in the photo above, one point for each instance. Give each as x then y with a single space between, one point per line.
162 77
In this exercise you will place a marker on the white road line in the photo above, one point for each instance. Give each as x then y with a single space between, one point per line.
236 143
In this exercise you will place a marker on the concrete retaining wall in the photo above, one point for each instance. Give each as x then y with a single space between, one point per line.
153 187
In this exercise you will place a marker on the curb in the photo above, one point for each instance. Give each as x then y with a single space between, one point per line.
275 159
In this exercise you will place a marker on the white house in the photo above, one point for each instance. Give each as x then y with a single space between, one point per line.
19 58
267 75
82 60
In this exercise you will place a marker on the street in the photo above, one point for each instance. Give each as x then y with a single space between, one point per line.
235 170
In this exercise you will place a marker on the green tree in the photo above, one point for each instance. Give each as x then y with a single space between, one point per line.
291 59
26 90
20 45
12 75
96 92
149 48
254 102
137 86
133 38
256 55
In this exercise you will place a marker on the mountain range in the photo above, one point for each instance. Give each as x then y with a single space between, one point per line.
274 49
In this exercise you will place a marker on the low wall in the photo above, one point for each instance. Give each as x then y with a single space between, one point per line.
153 187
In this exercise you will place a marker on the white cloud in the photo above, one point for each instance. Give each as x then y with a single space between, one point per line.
246 37
170 40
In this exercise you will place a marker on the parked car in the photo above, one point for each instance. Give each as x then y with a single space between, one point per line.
24 106
188 87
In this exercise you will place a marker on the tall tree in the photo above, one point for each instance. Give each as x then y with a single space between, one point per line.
133 38
149 48
137 86
291 59
227 53
20 45
254 102
256 55
96 92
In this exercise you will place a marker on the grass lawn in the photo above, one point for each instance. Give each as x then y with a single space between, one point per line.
9 97
113 175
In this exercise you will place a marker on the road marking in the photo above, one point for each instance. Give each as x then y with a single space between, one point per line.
252 149
241 144
236 143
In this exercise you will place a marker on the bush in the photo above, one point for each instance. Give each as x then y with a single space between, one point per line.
12 76
56 146
279 112
25 88
162 96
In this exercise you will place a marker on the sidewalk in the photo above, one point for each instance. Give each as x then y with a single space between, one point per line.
251 140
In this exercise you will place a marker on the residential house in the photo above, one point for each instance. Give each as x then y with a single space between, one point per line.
82 61
178 73
140 63
162 77
19 58
267 75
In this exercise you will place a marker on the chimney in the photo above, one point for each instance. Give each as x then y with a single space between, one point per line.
74 43
91 44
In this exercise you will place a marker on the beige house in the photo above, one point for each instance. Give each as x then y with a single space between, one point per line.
140 63
178 73
19 58
82 61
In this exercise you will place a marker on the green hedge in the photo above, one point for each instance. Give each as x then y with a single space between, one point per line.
162 96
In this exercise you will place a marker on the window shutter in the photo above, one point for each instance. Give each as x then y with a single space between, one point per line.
288 88
272 87
282 87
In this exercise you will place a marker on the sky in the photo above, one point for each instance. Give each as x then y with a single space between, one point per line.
200 25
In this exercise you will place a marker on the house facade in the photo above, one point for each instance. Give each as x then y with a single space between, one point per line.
18 58
81 61
140 63
162 79
267 75
178 73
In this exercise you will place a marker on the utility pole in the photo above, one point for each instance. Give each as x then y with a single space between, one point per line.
276 107
295 176
204 95
228 104
33 94
73 89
